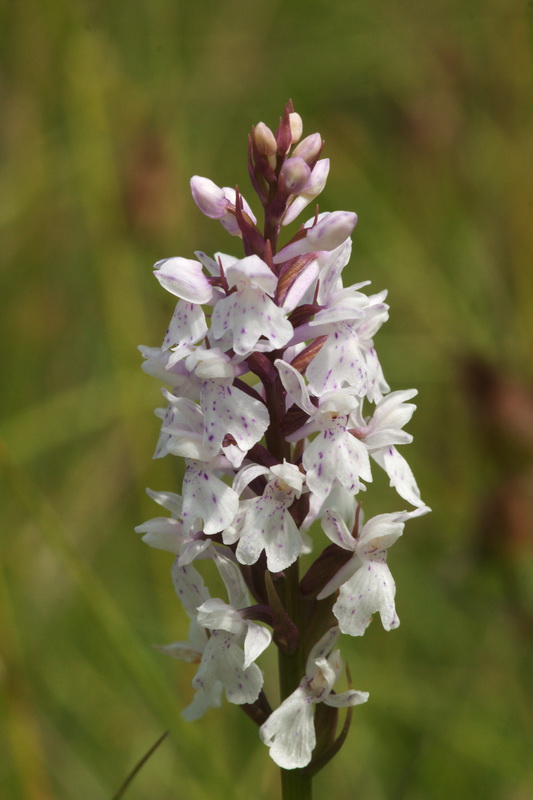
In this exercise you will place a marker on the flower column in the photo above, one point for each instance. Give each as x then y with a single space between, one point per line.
277 403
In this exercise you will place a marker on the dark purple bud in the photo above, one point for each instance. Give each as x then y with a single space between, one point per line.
284 133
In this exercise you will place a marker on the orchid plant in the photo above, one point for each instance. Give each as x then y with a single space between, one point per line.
276 401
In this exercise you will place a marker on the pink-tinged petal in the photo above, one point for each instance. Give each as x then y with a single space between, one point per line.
290 731
184 278
371 589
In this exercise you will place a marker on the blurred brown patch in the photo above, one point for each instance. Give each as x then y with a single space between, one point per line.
502 412
503 405
152 200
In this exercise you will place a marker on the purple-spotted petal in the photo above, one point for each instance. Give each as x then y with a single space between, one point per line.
371 589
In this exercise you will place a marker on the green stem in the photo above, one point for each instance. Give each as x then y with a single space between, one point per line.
295 784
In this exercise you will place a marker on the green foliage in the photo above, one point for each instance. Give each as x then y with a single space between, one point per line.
108 108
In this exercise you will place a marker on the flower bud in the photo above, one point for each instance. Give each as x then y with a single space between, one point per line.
208 197
296 174
309 148
264 139
312 189
332 230
296 124
317 181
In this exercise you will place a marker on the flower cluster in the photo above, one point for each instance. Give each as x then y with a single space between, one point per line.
276 401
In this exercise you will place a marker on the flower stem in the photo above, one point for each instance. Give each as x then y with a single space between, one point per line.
295 783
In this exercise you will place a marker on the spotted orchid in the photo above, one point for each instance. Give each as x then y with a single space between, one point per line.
276 403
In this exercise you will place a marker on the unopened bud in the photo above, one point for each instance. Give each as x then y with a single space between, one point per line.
319 176
297 126
264 139
208 197
296 174
312 189
332 230
309 148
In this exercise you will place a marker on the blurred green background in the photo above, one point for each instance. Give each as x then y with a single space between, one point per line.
107 109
